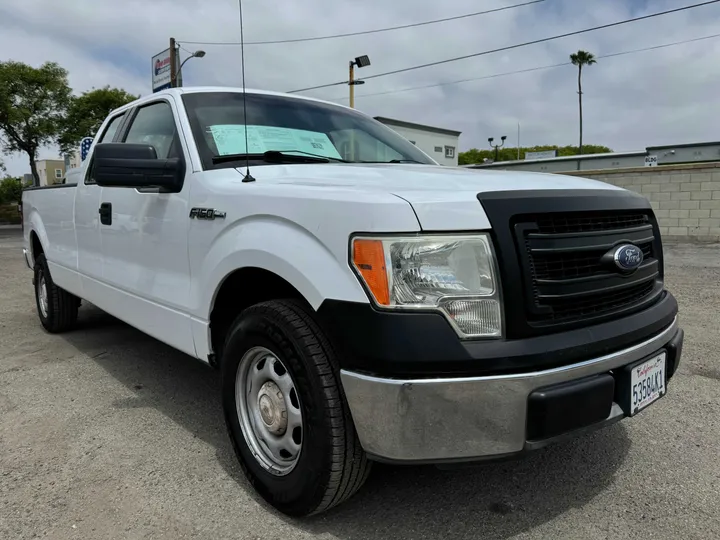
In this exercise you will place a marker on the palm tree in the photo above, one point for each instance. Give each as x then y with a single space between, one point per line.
580 59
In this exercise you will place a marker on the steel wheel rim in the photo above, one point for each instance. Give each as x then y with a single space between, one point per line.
42 296
268 408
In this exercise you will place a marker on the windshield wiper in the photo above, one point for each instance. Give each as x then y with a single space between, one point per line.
284 153
397 161
273 156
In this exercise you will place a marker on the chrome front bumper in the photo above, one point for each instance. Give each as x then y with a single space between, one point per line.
463 419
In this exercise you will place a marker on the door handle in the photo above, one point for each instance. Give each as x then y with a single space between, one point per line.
105 213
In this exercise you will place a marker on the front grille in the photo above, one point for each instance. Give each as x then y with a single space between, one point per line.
577 222
564 309
566 274
574 265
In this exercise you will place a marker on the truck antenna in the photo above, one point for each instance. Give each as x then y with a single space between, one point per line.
248 177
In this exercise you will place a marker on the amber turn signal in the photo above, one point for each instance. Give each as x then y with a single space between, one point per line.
369 260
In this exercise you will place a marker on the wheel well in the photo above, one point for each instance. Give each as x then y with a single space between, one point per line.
35 245
240 290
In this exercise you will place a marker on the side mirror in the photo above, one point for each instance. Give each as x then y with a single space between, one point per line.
135 166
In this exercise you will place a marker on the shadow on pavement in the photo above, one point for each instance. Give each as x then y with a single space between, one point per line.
180 387
495 500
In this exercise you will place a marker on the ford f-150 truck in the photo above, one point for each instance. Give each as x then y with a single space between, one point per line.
361 302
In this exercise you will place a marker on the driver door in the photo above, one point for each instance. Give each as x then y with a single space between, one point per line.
144 235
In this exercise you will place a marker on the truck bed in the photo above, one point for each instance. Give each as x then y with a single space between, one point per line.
48 211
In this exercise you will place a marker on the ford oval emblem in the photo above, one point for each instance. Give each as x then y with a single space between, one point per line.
628 257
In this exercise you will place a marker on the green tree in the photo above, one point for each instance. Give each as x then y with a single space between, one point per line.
580 59
10 190
87 112
508 154
33 102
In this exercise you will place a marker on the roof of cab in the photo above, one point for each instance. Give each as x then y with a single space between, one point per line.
197 89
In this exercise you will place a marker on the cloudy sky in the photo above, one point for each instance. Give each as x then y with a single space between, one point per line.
665 96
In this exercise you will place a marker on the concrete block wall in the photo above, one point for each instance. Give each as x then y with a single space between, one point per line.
686 198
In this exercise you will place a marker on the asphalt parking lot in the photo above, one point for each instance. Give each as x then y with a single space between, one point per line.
107 433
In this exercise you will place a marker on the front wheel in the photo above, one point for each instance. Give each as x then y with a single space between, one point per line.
57 308
286 412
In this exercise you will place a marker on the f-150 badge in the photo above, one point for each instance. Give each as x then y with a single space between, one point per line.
206 213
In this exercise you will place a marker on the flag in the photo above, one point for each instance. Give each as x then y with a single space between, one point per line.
85 145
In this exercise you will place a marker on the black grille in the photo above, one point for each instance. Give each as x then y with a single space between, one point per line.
565 309
574 265
577 222
567 272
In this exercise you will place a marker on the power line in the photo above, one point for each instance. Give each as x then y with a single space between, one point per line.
316 87
539 68
365 32
183 48
494 76
518 45
542 40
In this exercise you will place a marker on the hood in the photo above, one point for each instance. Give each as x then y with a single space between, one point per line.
443 198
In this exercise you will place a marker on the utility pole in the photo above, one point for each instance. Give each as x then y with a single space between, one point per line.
351 84
173 63
361 62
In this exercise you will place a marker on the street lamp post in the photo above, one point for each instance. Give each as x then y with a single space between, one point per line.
496 146
360 62
178 76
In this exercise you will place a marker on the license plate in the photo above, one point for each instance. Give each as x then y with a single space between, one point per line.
647 383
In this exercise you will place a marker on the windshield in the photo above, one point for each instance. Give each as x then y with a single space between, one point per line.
290 126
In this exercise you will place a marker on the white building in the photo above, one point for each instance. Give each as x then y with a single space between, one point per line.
439 143
72 160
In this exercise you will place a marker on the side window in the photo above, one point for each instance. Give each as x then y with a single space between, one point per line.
111 129
107 136
154 124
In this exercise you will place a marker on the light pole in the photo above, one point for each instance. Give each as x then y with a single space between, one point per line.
360 62
496 146
178 76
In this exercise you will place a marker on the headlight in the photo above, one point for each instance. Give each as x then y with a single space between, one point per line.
453 274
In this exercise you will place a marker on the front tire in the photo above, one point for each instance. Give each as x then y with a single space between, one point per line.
57 308
286 412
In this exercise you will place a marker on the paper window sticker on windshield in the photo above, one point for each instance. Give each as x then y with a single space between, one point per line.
287 140
319 143
315 143
230 139
275 138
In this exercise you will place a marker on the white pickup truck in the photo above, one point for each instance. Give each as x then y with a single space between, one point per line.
360 302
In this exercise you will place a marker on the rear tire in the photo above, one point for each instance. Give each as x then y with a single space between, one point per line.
299 473
57 308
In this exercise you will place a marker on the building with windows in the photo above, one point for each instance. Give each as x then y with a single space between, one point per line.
72 160
50 171
439 143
